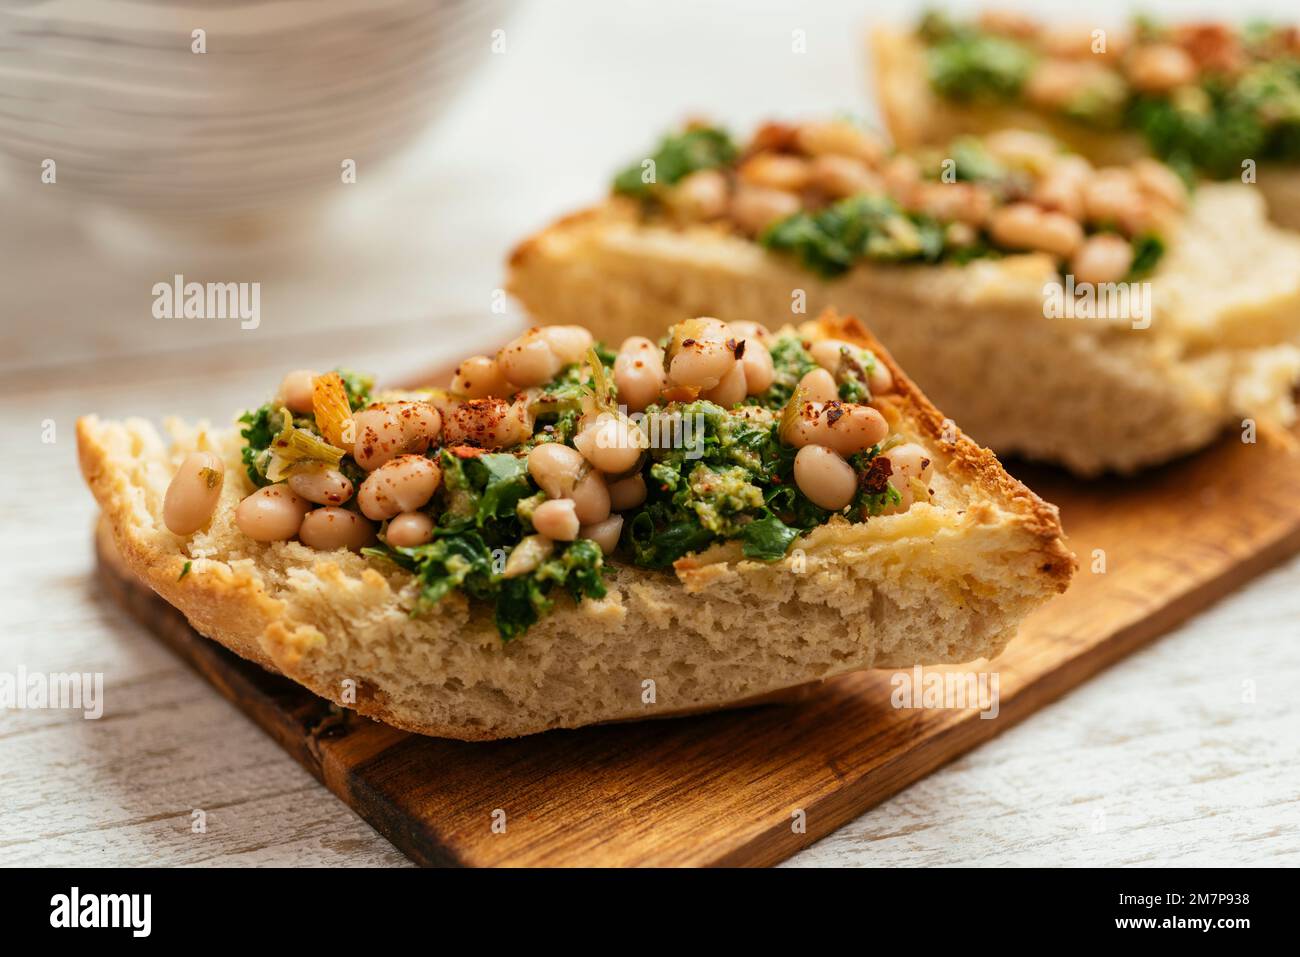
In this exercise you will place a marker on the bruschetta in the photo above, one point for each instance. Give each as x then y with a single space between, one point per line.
1102 318
566 534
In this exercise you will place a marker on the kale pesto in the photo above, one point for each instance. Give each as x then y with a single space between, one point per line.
478 523
676 157
831 240
730 478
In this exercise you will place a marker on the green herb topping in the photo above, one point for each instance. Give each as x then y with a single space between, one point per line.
677 156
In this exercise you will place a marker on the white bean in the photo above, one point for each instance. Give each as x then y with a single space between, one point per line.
909 461
639 373
380 436
819 386
701 363
838 138
1159 182
703 327
627 493
880 380
612 443
1102 258
700 195
402 485
638 344
1022 148
902 176
556 468
326 529
967 203
557 519
591 498
296 391
605 534
1112 196
479 377
490 423
745 329
529 360
857 429
1054 83
569 343
1160 67
193 493
754 208
775 171
841 176
421 424
1025 226
324 486
826 353
271 514
1061 187
409 530
843 426
759 371
824 477
731 389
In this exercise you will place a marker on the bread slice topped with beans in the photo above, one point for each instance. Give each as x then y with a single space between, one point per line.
1103 318
1216 99
566 534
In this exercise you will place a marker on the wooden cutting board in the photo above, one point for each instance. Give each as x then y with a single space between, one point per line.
753 786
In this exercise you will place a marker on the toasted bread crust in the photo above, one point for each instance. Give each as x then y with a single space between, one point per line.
980 465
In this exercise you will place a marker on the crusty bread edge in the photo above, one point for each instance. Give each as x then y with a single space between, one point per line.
980 466
906 103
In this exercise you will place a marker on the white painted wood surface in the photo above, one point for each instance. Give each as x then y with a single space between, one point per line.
1162 759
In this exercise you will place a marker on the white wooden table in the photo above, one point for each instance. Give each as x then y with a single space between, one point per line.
1184 754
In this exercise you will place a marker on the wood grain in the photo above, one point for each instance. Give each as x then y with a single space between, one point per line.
727 788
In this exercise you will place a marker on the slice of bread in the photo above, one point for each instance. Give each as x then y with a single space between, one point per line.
946 581
916 116
1094 395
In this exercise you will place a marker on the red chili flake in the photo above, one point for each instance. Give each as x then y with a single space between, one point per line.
876 478
466 451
